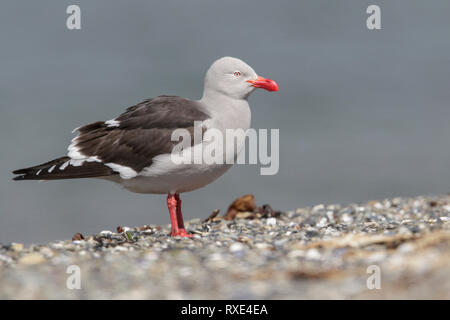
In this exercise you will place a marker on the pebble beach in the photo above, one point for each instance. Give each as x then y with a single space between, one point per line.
320 252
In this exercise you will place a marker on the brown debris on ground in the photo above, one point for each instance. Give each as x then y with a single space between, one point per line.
212 215
245 208
78 236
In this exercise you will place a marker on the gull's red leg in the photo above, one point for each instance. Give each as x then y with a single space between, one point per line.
172 205
176 217
181 230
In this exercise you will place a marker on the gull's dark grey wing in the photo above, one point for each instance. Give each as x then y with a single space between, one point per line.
131 140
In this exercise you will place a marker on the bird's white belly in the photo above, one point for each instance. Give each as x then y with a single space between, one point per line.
185 178
168 176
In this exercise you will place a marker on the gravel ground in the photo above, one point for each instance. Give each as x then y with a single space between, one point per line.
321 252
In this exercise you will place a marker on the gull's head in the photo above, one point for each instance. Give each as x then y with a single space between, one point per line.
234 78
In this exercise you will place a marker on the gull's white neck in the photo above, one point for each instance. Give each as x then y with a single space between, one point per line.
226 112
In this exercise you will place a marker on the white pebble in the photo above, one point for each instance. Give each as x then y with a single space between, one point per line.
296 254
271 221
406 248
313 254
318 208
262 245
120 249
235 247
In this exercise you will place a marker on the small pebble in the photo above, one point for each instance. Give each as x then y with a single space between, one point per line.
32 258
235 247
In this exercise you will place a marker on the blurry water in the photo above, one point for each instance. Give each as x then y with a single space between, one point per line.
362 114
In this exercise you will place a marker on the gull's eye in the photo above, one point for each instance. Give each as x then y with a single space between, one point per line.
237 74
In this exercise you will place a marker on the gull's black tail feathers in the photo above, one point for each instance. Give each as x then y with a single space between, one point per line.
62 168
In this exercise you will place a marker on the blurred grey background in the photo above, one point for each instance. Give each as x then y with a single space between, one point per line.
362 114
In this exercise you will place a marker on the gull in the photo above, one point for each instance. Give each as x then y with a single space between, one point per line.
135 149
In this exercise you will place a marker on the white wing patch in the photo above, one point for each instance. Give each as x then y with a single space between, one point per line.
76 129
64 165
73 150
125 172
112 123
77 158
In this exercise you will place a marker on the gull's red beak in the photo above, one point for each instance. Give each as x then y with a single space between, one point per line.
264 83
